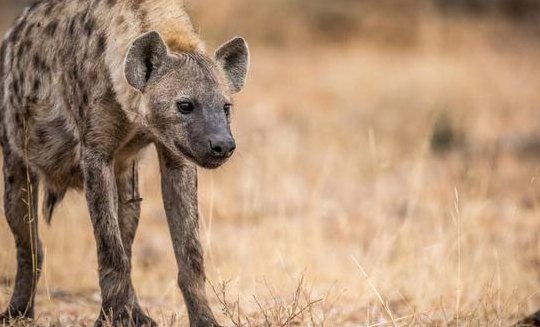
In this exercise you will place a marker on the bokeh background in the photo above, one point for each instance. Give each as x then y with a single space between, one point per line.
386 174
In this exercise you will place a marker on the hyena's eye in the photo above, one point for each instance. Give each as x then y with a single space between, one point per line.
185 107
227 109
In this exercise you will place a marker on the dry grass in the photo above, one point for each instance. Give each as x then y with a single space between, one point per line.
335 212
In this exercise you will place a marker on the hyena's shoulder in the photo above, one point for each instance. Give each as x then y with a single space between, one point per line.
53 70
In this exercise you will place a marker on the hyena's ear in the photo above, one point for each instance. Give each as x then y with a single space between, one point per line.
233 56
144 57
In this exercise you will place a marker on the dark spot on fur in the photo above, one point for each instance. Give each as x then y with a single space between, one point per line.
101 44
85 98
32 99
16 87
111 2
71 27
49 8
136 7
36 61
40 64
80 84
29 29
33 6
194 252
110 95
74 73
10 179
22 48
58 123
18 119
36 85
144 21
89 26
42 135
51 28
75 170
26 113
143 14
16 31
92 77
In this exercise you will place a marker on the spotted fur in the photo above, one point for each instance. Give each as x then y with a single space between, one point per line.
85 85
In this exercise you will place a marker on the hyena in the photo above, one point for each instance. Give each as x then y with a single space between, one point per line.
85 86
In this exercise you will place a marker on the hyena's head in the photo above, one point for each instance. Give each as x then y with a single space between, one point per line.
187 97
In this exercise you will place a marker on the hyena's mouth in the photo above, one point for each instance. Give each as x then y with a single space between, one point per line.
185 152
207 163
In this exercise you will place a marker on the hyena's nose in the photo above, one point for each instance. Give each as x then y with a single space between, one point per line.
222 147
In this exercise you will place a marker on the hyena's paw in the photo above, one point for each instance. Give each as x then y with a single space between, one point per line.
13 317
10 320
141 320
205 321
134 318
532 320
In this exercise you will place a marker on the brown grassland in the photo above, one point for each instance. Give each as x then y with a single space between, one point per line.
376 183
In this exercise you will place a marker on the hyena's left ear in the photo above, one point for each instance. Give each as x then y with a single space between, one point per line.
145 56
233 56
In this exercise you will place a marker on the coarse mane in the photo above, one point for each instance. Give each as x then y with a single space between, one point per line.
169 18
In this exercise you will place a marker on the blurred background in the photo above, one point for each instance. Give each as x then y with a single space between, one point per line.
386 173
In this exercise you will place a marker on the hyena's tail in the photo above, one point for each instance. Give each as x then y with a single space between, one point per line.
50 200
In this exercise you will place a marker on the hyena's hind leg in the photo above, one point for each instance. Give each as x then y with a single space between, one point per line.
20 208
129 211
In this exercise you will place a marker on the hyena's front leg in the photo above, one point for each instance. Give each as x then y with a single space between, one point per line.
179 187
20 208
129 205
129 211
118 299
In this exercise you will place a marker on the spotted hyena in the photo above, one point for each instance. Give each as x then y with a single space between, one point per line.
85 85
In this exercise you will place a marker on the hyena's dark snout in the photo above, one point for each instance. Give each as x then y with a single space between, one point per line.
221 146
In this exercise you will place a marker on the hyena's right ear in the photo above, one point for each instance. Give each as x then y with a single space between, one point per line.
145 56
